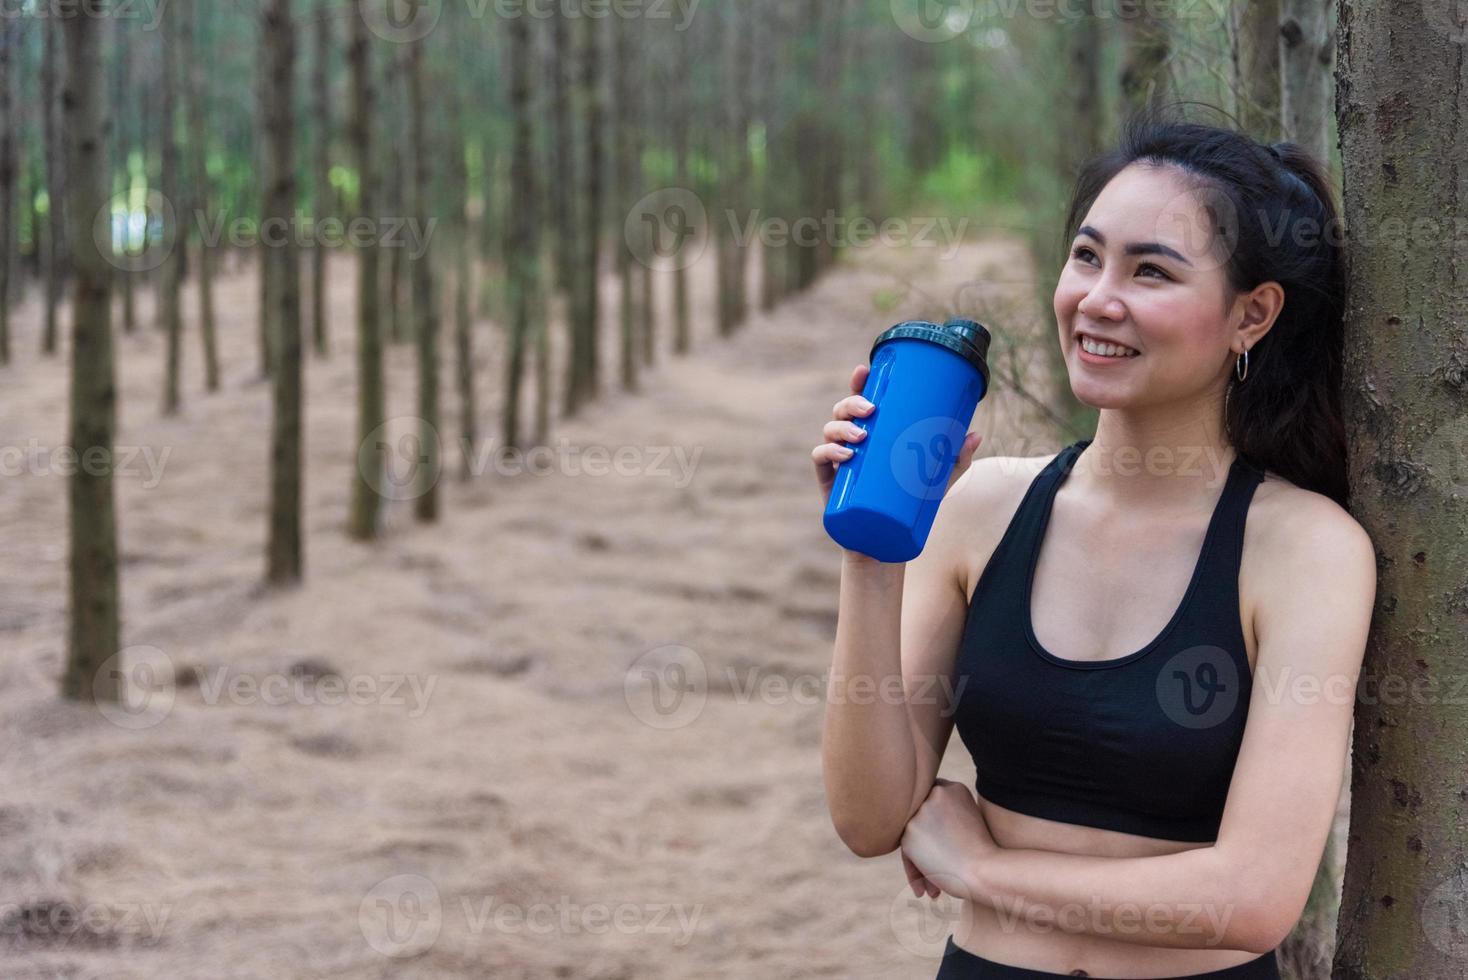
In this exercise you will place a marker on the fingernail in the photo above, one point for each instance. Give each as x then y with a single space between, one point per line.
866 405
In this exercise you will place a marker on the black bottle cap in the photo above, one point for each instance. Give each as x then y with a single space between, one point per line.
967 338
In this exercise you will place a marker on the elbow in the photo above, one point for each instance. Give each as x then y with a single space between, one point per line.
1263 922
864 840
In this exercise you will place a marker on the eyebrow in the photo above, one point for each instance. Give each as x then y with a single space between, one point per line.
1136 248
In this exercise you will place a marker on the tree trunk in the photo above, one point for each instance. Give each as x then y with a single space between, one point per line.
1406 887
425 299
94 631
54 256
681 110
191 43
267 296
1144 76
9 38
122 145
521 247
623 191
368 473
1306 53
170 307
463 286
563 212
321 168
1256 66
284 551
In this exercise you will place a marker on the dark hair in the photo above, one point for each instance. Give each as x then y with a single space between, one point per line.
1276 220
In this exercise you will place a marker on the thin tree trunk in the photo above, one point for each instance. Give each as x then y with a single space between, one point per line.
170 302
622 190
9 36
122 145
55 254
681 111
268 301
521 248
94 633
563 211
191 42
1143 78
1257 67
1402 139
1307 52
321 169
425 299
284 551
368 473
463 286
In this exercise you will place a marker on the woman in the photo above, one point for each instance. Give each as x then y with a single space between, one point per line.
1149 642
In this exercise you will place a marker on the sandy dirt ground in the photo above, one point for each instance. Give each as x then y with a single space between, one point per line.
571 730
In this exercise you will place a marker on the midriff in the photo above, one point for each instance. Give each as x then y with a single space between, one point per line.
1009 938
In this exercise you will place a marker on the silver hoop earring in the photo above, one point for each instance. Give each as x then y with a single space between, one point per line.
1241 366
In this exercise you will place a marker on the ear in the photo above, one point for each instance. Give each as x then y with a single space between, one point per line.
1256 311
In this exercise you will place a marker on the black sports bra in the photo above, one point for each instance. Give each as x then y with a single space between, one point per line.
1144 743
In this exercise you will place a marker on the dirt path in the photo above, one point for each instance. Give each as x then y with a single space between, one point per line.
571 731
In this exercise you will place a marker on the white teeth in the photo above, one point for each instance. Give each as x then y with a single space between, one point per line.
1106 350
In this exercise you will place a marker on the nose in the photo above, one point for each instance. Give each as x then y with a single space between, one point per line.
1100 303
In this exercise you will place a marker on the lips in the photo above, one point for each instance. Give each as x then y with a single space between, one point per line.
1081 336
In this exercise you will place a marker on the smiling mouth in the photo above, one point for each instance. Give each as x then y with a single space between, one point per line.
1103 348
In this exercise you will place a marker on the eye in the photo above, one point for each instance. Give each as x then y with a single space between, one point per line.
1080 251
1155 268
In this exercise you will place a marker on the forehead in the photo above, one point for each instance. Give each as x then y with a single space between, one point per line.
1147 203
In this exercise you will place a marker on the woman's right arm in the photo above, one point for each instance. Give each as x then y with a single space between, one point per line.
888 708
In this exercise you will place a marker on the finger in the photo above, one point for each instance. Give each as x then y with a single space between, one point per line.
838 430
859 378
830 453
852 406
914 877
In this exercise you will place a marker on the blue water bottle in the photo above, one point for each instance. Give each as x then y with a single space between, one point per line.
925 381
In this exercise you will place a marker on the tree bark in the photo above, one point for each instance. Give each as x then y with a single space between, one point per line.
1405 388
284 550
9 38
1257 69
122 145
1144 76
170 307
94 629
54 256
1306 55
425 299
623 191
521 248
321 169
192 44
367 474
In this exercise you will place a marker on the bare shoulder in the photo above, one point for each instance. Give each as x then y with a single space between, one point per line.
1300 545
980 506
1286 520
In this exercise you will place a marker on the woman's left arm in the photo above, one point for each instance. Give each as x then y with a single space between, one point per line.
1247 890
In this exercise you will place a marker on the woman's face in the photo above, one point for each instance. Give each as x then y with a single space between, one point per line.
1144 271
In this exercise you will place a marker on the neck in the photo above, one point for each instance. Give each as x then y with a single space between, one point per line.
1157 458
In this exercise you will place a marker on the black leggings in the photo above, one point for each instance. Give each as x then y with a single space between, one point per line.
960 964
